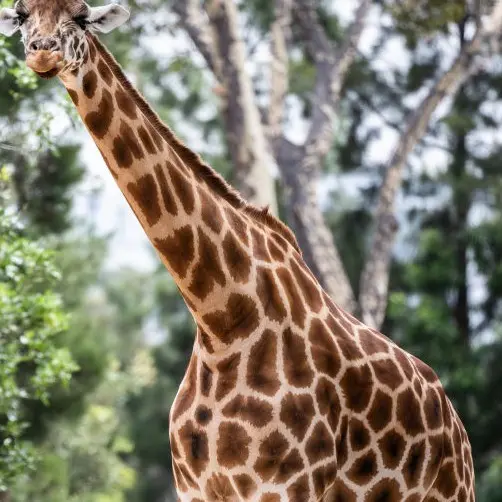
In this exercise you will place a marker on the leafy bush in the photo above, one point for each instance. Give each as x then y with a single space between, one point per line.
31 365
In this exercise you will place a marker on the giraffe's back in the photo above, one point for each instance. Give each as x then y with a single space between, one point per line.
329 411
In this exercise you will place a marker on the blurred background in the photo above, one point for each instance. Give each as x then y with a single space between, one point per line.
372 127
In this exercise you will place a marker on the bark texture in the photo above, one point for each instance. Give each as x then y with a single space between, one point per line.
301 172
250 152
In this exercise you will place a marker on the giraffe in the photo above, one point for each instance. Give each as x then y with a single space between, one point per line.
286 397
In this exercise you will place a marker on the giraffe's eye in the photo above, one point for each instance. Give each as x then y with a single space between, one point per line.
21 18
81 21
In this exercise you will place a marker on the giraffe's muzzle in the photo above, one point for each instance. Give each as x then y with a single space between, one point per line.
45 63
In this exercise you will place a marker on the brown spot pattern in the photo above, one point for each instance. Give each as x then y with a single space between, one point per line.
206 379
178 250
386 490
392 447
268 293
344 337
245 485
227 375
145 193
432 410
275 462
236 258
296 307
342 493
249 409
435 458
208 270
122 153
323 478
239 320
387 373
275 251
203 415
232 445
260 250
296 366
165 190
320 444
262 375
308 287
299 491
413 465
157 138
126 104
187 392
296 413
357 385
372 343
210 212
131 141
73 96
237 224
146 140
409 413
182 188
272 450
278 239
105 72
99 122
90 84
219 488
380 413
324 351
328 402
363 469
358 434
270 497
195 445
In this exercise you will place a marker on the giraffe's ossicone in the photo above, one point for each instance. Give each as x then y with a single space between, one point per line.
286 397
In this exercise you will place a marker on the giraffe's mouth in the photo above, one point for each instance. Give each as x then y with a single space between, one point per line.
48 74
45 64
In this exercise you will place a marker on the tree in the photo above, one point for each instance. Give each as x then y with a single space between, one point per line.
445 305
32 363
300 166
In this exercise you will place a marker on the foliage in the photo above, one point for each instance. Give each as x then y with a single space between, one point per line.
31 363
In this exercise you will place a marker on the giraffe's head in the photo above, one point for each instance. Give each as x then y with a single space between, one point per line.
53 31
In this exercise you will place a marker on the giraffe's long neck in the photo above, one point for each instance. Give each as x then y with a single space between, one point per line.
218 250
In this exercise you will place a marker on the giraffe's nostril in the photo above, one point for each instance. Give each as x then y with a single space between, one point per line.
35 46
43 44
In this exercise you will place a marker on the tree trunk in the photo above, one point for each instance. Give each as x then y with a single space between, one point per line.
249 150
375 277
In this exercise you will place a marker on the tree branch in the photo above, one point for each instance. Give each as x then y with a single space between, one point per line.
375 277
245 134
195 24
332 67
279 82
301 173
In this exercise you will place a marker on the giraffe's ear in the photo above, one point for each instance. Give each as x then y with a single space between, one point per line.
9 22
107 18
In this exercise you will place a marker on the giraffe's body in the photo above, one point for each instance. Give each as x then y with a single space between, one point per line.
286 397
329 412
